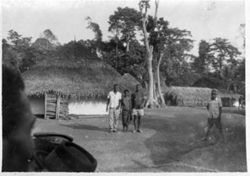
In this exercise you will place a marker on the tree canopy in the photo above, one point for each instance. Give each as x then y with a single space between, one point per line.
137 40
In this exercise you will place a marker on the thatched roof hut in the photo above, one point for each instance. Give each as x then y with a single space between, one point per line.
196 96
229 99
127 81
79 81
187 96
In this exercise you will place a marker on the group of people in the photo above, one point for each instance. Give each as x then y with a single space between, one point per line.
132 107
129 106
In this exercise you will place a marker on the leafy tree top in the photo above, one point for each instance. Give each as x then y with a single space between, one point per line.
125 22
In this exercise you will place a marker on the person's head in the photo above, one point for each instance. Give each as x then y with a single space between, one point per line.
126 92
115 87
213 94
138 87
17 123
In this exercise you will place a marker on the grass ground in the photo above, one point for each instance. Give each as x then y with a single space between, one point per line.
170 142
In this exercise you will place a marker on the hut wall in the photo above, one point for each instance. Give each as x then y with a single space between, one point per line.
37 105
88 108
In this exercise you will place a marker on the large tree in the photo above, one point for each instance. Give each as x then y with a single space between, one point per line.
97 42
144 6
123 24
223 53
50 36
168 43
17 51
201 62
123 61
220 59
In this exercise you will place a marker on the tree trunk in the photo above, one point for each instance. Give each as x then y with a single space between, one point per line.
162 100
151 102
149 57
127 47
151 78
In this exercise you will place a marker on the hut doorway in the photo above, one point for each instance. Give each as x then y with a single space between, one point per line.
55 106
49 106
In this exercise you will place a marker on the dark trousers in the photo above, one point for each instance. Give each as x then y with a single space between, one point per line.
216 122
125 117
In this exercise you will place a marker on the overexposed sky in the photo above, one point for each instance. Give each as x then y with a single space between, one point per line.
206 19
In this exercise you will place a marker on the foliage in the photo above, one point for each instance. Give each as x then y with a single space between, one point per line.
126 62
17 51
125 21
201 62
96 29
173 44
77 50
48 34
217 62
223 53
219 58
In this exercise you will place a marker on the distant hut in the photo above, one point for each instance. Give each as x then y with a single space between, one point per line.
187 96
197 96
229 99
128 81
64 87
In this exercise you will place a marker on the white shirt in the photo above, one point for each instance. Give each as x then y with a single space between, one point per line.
114 99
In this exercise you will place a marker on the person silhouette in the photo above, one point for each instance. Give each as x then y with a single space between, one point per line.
17 120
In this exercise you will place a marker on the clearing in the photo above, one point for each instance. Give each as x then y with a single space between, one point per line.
170 142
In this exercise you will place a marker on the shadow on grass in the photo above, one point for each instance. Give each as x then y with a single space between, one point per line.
85 127
182 135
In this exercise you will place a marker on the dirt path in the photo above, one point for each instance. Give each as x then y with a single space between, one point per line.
170 142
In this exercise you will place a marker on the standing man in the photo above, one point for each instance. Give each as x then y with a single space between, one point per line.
138 103
214 108
113 106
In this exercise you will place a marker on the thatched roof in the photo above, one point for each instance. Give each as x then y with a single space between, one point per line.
227 94
89 79
129 81
189 92
194 96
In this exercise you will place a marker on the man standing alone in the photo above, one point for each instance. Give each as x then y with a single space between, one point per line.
214 108
138 103
113 106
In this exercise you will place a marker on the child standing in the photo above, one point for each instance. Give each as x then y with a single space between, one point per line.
214 108
126 110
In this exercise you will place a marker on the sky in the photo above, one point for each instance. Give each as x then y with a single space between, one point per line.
206 19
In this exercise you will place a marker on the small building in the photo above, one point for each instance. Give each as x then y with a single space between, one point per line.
62 87
230 99
187 96
197 96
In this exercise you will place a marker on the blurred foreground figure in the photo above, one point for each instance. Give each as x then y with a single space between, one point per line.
17 121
